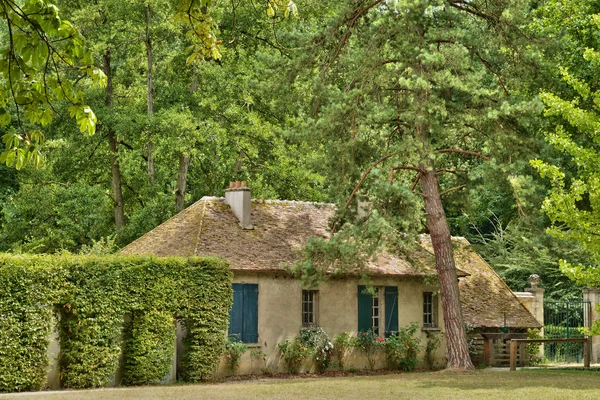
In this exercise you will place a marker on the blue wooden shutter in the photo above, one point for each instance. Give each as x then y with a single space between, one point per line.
365 304
391 310
250 320
236 312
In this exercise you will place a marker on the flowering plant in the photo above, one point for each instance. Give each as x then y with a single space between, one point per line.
323 356
234 349
370 344
318 340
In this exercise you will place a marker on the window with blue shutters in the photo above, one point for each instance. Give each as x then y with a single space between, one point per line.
391 310
243 316
370 316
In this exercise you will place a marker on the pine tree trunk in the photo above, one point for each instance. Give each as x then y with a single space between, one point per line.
184 162
456 338
117 192
150 100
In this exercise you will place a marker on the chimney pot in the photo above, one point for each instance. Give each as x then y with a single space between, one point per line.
231 184
243 184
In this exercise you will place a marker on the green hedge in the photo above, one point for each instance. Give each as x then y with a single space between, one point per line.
91 297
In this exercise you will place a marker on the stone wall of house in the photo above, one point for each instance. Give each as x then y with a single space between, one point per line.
280 316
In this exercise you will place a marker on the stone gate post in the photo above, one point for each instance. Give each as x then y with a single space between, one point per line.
593 296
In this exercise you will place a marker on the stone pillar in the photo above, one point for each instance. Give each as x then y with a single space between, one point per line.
533 300
537 306
593 296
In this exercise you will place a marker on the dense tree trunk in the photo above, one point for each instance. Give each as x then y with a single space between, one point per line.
184 162
456 338
150 99
117 192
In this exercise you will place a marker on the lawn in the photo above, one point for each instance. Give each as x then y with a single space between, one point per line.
485 384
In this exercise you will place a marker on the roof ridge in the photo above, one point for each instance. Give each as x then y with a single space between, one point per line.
200 227
274 201
159 225
293 202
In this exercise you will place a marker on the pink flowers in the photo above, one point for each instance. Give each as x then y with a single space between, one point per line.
379 339
229 356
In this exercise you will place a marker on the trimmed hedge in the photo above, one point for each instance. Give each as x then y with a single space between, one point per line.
91 296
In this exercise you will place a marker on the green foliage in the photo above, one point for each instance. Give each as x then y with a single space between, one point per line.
342 347
149 338
234 349
572 202
294 352
402 348
92 296
43 56
27 292
347 252
433 343
521 248
260 357
533 349
370 344
51 218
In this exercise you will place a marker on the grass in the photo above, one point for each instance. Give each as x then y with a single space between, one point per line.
484 384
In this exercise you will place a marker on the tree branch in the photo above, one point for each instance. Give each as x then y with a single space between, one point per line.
489 68
346 35
367 172
451 171
453 189
472 153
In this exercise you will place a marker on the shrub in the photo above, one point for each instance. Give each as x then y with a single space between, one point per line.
342 346
149 342
402 348
294 352
320 345
533 349
27 291
257 355
234 349
370 345
92 294
433 343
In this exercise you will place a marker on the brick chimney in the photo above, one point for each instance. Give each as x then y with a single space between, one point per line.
238 198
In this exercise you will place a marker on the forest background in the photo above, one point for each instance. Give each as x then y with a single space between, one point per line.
305 102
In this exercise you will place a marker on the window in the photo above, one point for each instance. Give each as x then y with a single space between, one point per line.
429 310
243 316
309 307
377 310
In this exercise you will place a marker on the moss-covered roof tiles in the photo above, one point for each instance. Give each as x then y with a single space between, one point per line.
208 227
487 302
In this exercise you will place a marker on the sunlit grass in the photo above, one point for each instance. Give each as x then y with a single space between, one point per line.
485 384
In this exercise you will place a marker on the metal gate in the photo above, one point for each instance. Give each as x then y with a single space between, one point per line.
565 320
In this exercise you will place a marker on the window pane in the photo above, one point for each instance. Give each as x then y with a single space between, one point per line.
308 307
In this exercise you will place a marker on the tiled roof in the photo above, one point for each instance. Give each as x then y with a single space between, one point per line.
487 302
208 227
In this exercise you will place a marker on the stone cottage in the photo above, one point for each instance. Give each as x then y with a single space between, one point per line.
259 238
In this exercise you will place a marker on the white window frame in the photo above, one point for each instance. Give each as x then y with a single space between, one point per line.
429 310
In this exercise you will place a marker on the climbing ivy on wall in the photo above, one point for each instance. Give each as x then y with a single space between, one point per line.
106 305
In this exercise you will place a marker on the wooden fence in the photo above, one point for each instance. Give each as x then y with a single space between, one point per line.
523 342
